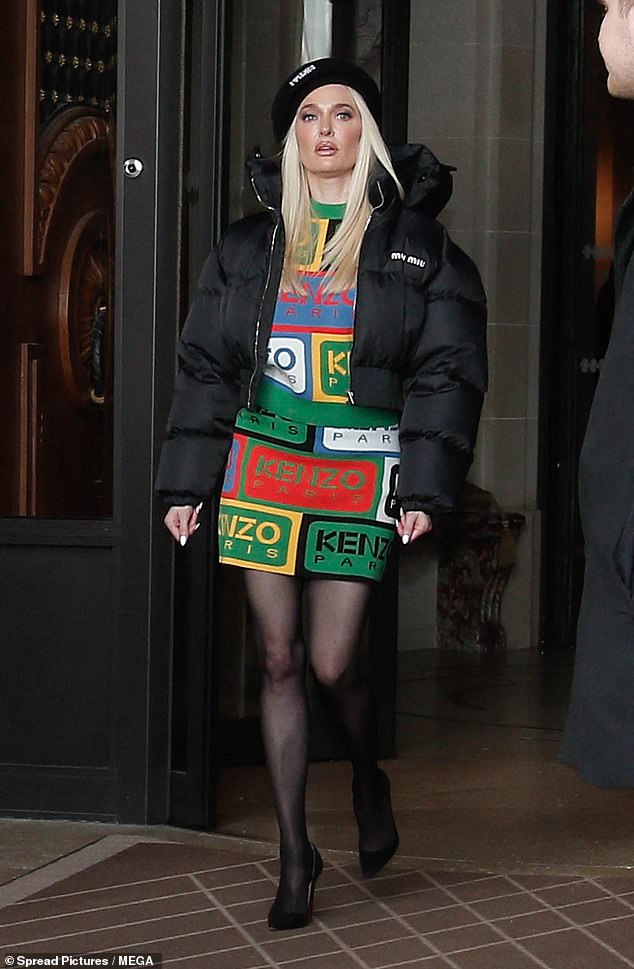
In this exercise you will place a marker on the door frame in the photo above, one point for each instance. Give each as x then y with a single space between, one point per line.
206 742
148 272
564 229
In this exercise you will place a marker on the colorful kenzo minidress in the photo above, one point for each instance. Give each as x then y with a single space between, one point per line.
305 493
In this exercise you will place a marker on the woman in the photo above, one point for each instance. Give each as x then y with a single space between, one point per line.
334 336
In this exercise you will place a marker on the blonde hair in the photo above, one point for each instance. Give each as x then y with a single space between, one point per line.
341 254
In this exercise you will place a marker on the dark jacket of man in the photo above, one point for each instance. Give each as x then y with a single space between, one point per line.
599 735
419 337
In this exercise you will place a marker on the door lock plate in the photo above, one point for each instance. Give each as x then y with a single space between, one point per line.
132 167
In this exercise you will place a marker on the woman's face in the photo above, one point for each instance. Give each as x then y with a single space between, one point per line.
616 42
328 128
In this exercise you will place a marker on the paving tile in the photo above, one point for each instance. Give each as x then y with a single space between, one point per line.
468 937
401 919
80 900
538 923
565 950
288 946
617 884
501 956
145 861
382 930
394 885
217 878
244 958
404 953
428 900
250 913
218 945
204 961
580 891
332 876
618 933
355 913
245 892
337 960
585 913
449 917
424 962
147 912
483 888
327 898
449 879
533 883
519 903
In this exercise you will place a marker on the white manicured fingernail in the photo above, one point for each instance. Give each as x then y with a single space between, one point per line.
196 527
198 507
183 540
405 539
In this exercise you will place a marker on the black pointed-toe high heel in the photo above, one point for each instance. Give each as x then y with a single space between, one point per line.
371 862
279 920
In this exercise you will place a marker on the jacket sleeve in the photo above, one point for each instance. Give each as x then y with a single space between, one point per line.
444 387
206 397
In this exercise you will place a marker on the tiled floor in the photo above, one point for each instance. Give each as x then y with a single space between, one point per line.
507 860
205 907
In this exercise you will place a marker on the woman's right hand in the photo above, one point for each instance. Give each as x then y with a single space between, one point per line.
182 521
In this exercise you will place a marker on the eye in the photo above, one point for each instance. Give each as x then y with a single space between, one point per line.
308 115
345 115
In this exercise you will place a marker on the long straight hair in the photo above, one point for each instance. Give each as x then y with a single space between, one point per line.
341 254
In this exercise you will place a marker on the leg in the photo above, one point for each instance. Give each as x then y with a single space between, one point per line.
275 606
337 613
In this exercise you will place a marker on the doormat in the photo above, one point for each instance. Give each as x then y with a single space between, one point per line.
133 902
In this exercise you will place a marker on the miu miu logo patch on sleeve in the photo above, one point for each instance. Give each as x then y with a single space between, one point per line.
409 260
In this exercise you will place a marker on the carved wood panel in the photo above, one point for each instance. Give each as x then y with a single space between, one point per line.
60 399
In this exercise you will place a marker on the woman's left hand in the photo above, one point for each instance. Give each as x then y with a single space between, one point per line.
412 525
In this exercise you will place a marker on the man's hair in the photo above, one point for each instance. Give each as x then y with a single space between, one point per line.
341 256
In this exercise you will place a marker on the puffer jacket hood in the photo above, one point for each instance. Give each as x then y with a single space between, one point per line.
427 182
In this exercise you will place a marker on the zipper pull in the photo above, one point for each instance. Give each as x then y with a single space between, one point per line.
350 396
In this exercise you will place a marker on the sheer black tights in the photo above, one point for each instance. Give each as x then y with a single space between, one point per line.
336 612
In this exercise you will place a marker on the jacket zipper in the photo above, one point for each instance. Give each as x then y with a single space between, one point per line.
350 392
256 340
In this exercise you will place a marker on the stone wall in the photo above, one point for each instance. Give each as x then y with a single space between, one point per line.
477 75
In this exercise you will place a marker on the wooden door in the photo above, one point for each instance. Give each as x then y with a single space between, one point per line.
88 324
57 270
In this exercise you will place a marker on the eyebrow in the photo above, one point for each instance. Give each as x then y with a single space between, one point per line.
335 107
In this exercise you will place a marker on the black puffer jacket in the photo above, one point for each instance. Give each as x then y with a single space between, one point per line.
419 336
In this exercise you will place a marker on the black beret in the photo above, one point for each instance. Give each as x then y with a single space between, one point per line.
314 74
